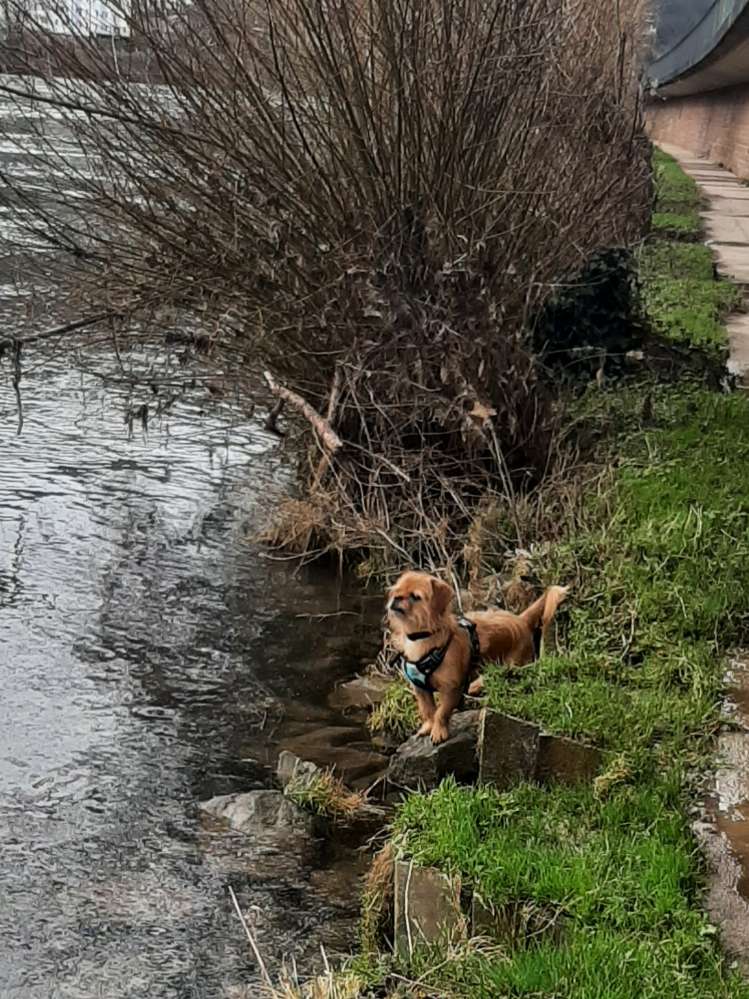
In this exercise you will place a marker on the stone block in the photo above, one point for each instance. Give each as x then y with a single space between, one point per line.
512 751
516 924
427 907
418 763
566 760
508 750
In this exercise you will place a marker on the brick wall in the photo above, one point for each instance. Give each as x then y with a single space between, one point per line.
714 125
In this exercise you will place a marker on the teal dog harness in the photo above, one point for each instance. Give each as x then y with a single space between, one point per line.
419 673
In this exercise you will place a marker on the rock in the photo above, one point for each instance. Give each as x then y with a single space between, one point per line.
361 694
427 907
325 736
419 763
516 924
566 760
290 765
508 750
260 812
512 750
342 749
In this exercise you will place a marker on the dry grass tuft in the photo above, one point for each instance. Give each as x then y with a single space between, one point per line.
619 771
331 985
377 900
324 794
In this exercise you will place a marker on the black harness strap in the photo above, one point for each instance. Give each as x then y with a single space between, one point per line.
473 634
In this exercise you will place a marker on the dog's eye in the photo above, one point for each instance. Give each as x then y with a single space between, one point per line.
415 597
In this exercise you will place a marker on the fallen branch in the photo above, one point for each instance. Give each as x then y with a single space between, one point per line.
330 439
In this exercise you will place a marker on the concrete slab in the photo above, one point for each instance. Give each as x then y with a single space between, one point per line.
738 340
727 226
727 229
732 260
427 907
723 829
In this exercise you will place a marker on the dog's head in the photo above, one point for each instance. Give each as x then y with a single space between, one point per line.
418 602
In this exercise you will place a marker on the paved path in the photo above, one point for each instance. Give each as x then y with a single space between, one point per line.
726 218
723 829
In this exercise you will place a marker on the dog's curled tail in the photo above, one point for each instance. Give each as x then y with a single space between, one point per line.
541 613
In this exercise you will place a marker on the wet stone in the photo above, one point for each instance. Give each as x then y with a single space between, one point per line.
360 694
323 736
427 907
342 749
291 766
418 763
259 812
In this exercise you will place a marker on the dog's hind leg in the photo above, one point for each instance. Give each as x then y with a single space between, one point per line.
476 687
427 710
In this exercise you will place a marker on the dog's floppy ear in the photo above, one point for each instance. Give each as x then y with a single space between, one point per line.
442 596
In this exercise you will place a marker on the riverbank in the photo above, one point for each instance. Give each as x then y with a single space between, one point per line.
657 555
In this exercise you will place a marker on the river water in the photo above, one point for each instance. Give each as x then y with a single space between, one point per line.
151 656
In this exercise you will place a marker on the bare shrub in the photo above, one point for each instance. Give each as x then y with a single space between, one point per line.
370 201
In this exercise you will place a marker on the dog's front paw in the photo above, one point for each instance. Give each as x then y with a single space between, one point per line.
476 688
425 729
439 733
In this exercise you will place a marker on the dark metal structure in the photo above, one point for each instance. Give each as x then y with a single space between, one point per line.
700 45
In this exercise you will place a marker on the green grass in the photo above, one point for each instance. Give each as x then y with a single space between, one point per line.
684 261
591 965
618 864
579 697
397 715
620 872
661 572
681 297
660 583
688 310
672 185
659 562
679 225
677 199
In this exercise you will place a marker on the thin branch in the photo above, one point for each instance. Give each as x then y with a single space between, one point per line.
323 429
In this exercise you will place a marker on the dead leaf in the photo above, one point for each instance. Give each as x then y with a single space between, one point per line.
480 413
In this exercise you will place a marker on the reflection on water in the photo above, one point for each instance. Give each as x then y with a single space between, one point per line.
147 653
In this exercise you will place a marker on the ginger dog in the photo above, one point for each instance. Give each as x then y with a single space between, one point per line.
440 653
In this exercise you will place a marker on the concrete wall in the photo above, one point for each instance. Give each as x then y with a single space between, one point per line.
714 125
